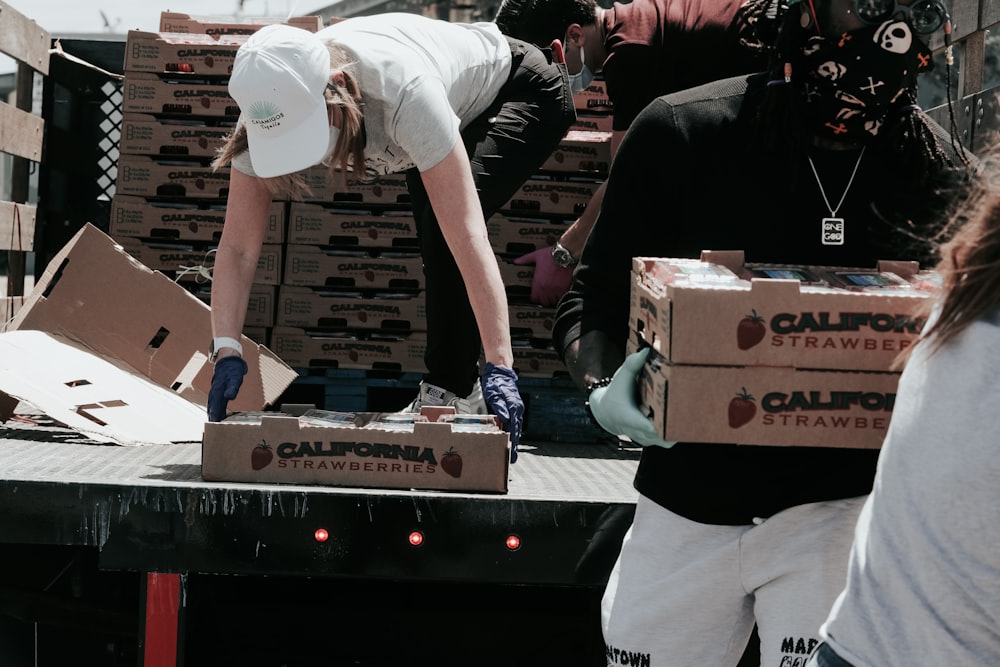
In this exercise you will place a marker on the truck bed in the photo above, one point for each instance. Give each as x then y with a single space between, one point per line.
146 508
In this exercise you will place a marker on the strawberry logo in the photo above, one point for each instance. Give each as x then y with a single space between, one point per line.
741 409
750 330
261 455
451 463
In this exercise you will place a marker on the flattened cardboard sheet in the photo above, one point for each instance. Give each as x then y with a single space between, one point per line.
92 395
97 297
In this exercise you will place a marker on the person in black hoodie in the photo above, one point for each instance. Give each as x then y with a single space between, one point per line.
725 535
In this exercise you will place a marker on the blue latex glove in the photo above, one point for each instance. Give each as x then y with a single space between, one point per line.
226 383
549 282
616 409
504 400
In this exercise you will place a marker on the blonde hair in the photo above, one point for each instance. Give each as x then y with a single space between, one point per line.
350 148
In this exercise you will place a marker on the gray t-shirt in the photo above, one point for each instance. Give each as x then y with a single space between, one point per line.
923 584
421 81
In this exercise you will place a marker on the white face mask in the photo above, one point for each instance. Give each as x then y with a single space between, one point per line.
582 79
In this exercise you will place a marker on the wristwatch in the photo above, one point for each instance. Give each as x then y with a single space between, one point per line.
562 257
221 342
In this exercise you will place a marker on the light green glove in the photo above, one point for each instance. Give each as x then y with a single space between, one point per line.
615 407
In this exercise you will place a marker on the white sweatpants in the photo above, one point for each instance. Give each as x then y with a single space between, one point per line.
686 594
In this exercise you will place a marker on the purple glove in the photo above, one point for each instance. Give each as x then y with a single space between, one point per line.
504 400
226 383
550 282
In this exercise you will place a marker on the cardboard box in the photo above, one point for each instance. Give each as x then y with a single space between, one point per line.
773 322
336 188
531 320
143 218
198 54
593 98
515 236
582 153
96 298
194 262
91 394
228 25
143 134
592 122
517 279
145 176
281 449
766 405
537 362
174 95
311 308
260 308
302 349
319 225
538 194
316 266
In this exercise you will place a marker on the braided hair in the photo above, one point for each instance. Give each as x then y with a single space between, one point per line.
918 195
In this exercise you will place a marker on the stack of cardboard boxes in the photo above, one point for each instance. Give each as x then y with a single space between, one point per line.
773 355
538 214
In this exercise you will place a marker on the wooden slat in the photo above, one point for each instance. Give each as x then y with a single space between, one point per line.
21 133
24 40
986 127
17 226
991 14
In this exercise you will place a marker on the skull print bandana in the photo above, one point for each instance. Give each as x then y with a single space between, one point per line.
850 82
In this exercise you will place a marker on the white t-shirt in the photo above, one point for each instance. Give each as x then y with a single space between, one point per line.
421 81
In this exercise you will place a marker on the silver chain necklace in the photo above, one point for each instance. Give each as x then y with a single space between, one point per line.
833 227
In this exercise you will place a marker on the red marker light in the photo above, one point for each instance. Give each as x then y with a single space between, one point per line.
321 535
513 542
416 538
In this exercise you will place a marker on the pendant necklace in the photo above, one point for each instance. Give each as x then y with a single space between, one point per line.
833 227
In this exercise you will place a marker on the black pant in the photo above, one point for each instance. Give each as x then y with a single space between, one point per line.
506 144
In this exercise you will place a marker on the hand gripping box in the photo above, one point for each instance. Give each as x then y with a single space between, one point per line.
133 349
760 405
721 311
431 454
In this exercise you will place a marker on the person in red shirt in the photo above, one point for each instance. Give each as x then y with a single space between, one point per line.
643 49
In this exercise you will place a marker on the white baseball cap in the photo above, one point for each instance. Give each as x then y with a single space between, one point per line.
279 76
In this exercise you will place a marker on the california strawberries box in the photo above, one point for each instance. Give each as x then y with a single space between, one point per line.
434 450
767 405
722 311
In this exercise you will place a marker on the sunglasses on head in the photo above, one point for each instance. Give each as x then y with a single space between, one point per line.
924 16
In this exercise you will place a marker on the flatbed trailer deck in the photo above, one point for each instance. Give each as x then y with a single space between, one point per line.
546 547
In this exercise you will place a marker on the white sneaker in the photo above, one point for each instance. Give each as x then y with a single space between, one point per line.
431 394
